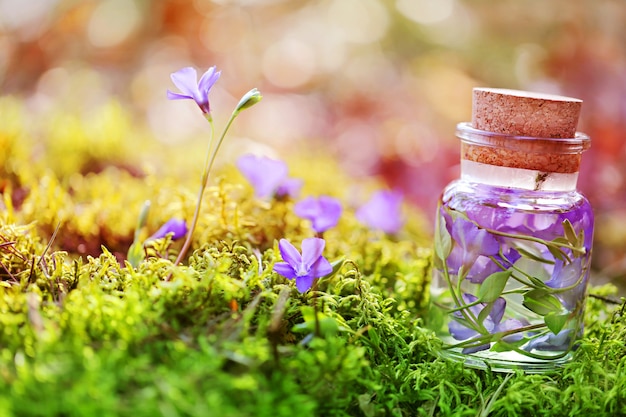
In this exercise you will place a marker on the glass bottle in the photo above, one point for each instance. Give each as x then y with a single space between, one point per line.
513 240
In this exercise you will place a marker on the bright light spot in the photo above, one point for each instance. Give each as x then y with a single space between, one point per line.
25 15
528 62
312 27
53 81
289 63
51 86
331 54
112 22
360 21
415 144
356 146
175 122
447 90
426 11
292 117
372 68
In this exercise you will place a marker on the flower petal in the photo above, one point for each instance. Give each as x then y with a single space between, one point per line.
284 269
324 212
304 283
264 174
307 208
330 212
383 212
177 227
473 241
312 249
207 80
177 96
460 332
289 187
497 311
566 275
185 79
508 325
551 342
204 86
321 267
290 254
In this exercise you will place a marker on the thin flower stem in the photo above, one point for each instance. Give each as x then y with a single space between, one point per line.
208 168
446 274
579 281
462 274
501 266
462 307
517 291
472 304
541 357
531 285
555 245
208 165
444 268
318 332
485 338
458 299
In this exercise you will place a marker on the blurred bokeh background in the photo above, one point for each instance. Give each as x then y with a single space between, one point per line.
378 84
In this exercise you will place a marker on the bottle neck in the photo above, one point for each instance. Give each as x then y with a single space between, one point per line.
527 179
541 164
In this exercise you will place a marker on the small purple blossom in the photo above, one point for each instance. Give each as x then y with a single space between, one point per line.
306 267
487 211
483 266
383 212
324 212
551 342
268 176
177 227
470 242
492 323
186 80
289 187
569 275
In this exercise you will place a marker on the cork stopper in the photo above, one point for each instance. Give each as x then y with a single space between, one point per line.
531 115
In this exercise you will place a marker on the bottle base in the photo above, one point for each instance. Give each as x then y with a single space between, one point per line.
508 362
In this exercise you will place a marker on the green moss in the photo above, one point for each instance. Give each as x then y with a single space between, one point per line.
83 334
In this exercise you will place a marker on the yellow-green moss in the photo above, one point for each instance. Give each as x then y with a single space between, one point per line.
83 333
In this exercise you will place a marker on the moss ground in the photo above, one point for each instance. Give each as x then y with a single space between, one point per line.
84 334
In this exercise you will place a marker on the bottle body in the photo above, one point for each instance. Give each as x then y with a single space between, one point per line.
511 268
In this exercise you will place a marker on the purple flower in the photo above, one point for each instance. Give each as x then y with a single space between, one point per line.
490 213
177 227
268 176
383 212
324 212
551 342
565 275
303 268
289 187
568 275
186 80
470 242
492 323
483 266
